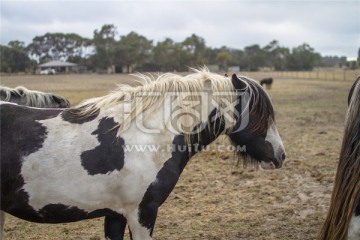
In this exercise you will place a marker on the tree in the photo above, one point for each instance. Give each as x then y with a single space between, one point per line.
13 60
333 61
194 48
105 46
107 51
18 45
254 57
133 50
163 55
276 56
303 57
223 58
57 46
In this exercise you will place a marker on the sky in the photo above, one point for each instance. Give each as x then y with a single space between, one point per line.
332 27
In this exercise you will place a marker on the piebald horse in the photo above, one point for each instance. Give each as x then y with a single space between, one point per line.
343 218
32 98
67 165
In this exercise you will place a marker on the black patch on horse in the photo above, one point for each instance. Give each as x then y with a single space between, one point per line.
74 115
60 213
109 155
21 135
169 174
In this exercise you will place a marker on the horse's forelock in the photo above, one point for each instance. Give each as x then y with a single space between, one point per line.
261 106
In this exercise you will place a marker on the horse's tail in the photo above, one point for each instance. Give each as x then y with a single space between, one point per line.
346 191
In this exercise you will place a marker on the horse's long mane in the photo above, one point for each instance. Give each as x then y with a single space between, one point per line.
161 84
26 97
152 91
346 191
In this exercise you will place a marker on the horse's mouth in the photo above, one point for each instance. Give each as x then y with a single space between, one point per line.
271 165
268 164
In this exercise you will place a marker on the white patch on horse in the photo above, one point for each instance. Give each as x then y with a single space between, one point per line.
144 165
354 228
54 173
138 231
273 137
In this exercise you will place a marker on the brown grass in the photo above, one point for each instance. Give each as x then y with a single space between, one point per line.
214 199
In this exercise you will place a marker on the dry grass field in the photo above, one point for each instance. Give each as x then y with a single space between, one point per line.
215 199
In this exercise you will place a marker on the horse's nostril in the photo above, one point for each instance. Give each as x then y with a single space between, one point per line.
283 156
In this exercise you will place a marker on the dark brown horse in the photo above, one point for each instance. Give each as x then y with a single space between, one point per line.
343 218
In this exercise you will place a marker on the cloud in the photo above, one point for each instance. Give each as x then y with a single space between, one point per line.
331 27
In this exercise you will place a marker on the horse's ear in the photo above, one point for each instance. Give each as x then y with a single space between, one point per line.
238 84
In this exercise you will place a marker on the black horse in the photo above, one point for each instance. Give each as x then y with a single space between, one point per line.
267 82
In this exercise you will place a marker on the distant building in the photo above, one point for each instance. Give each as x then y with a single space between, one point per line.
234 69
59 67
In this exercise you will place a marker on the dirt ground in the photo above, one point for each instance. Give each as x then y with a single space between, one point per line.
214 198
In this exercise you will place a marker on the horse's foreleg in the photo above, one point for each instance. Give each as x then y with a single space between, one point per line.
2 221
131 237
114 227
142 223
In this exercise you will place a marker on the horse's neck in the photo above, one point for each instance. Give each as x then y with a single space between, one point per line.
209 132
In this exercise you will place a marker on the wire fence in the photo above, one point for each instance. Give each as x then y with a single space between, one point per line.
334 75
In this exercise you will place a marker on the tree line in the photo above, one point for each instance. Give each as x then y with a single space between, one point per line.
107 51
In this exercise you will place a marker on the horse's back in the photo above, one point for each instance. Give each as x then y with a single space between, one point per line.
20 126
